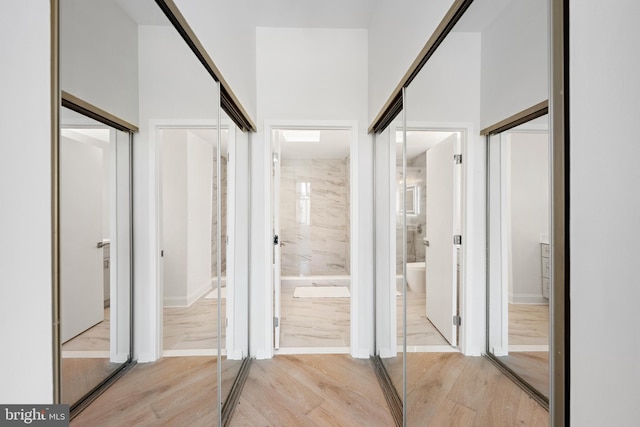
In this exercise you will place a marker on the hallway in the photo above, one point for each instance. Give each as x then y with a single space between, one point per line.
313 390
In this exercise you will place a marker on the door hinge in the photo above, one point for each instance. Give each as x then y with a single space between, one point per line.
276 322
457 320
162 253
226 322
226 239
275 240
457 159
457 239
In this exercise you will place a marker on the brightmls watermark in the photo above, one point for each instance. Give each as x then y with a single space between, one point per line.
34 415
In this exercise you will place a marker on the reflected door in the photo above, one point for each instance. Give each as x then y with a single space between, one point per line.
81 253
440 260
276 268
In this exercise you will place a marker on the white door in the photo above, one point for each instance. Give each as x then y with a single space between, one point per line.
440 259
275 203
81 260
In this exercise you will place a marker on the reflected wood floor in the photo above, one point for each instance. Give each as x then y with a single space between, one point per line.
528 324
194 327
316 390
532 366
175 391
420 330
445 389
312 390
95 338
314 322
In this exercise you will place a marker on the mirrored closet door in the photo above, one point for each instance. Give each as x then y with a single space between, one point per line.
518 232
95 253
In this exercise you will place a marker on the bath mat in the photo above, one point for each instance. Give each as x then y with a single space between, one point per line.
214 294
321 292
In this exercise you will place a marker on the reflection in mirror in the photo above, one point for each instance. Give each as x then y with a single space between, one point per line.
95 264
519 206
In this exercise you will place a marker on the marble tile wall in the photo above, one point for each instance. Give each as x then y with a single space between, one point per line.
314 217
214 216
416 224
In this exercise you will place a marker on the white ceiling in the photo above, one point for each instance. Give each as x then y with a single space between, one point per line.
312 13
419 141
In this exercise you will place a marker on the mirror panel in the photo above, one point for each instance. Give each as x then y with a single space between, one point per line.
519 229
95 253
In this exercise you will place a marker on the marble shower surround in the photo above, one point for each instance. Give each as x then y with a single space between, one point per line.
314 216
214 216
416 251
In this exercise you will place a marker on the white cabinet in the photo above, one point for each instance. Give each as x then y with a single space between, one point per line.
544 253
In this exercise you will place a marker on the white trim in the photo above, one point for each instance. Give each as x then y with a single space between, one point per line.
430 349
356 292
86 354
313 350
156 302
192 352
188 300
466 304
529 347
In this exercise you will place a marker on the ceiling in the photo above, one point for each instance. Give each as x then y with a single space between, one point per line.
419 141
312 13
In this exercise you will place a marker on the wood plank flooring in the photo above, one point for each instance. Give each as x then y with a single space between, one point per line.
194 327
528 324
314 322
420 330
176 391
445 389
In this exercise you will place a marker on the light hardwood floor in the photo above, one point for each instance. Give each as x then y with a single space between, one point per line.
316 390
528 324
314 322
194 327
420 331
445 389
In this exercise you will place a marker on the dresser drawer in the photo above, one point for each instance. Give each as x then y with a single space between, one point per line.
545 268
544 247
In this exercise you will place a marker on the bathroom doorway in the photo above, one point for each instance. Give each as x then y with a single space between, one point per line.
312 250
433 237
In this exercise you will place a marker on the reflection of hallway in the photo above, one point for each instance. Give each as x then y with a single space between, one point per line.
194 327
528 325
85 360
316 390
314 322
420 331
452 389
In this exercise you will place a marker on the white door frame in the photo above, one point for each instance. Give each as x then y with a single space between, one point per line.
356 289
155 171
465 306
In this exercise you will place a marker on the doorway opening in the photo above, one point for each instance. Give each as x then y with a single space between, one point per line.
433 244
312 239
190 253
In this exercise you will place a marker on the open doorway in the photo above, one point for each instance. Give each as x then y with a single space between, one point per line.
311 202
188 238
432 247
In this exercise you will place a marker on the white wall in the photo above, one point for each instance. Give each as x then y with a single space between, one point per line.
173 156
398 30
515 64
25 218
199 210
528 200
604 212
310 75
99 56
227 31
173 86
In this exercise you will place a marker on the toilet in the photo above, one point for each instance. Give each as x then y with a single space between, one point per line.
416 280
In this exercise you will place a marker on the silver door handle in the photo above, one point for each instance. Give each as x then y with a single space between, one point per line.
425 242
101 245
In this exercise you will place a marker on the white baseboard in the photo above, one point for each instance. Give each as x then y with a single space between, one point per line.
186 301
192 352
430 349
313 350
528 299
